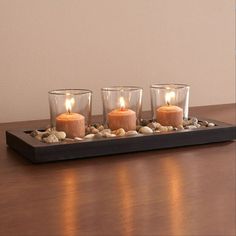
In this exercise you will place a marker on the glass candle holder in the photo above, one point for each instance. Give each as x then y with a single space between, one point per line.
170 103
122 106
70 110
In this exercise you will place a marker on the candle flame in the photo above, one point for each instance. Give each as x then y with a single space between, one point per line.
122 103
69 104
169 96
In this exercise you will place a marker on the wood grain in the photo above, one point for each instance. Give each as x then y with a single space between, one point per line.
184 191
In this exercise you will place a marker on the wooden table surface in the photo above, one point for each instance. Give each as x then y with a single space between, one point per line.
186 191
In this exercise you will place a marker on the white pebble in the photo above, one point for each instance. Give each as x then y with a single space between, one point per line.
131 133
107 135
105 131
145 130
52 138
211 125
89 136
170 128
191 127
78 139
59 134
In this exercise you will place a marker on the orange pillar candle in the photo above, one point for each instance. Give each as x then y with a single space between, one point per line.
122 118
73 124
169 115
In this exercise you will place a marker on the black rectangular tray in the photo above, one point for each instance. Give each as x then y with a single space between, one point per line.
39 152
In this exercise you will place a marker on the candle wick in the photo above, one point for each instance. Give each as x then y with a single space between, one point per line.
168 103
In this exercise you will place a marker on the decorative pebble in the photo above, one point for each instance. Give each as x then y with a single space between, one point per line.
44 135
108 135
186 123
34 133
59 134
154 125
191 127
138 127
89 136
170 128
203 123
119 132
78 139
157 131
98 135
144 122
69 139
180 127
38 137
131 133
100 127
211 125
52 138
93 130
145 130
163 129
105 131
191 121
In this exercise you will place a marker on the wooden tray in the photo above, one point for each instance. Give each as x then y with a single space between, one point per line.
38 152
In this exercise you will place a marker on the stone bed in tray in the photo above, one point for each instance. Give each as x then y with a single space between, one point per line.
98 131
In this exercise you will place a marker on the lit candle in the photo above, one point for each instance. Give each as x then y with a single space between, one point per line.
169 115
122 118
73 124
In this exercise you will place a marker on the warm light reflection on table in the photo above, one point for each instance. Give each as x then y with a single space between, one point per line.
127 200
175 181
69 204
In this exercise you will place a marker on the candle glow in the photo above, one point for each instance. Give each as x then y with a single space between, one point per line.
169 96
122 103
69 104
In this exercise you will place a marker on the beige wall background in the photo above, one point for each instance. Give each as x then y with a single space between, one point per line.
49 44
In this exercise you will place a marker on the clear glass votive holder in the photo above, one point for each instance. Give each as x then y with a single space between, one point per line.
70 110
170 103
122 107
